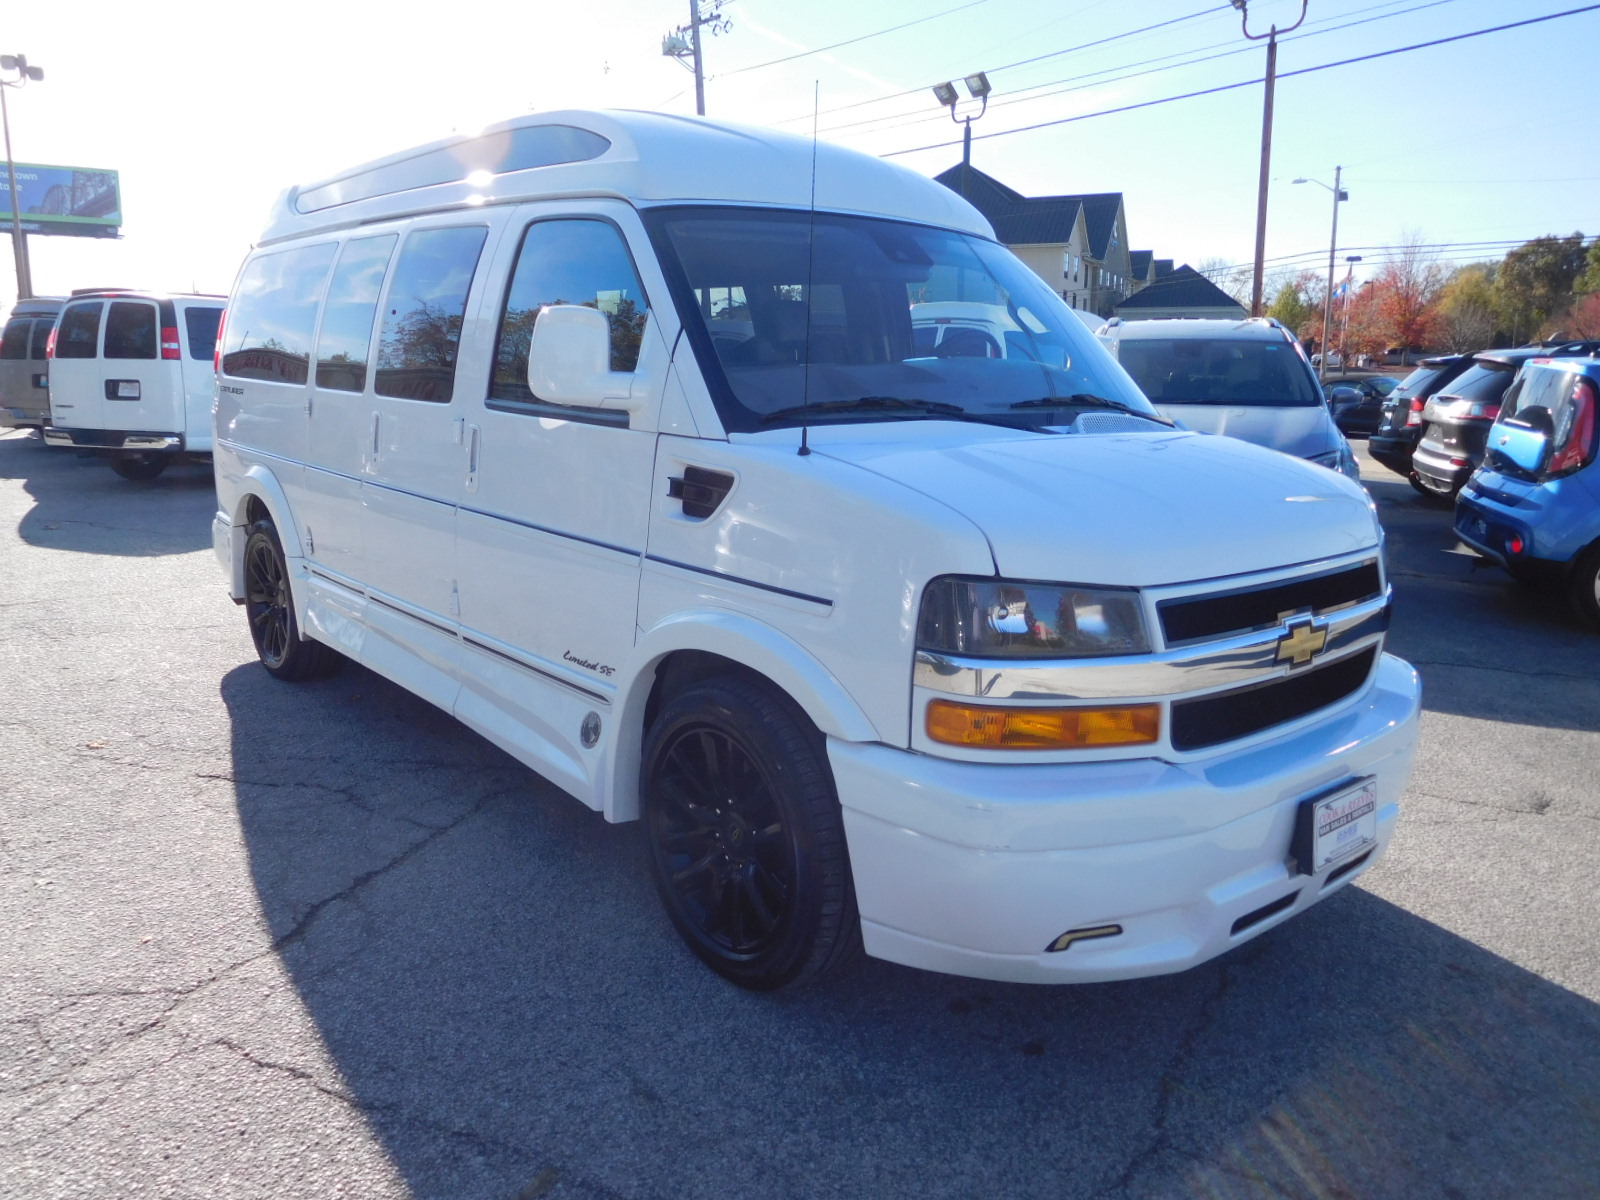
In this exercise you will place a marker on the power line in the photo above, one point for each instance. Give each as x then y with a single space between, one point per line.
1228 87
905 119
848 41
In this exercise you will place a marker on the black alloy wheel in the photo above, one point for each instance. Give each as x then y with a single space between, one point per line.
746 836
269 606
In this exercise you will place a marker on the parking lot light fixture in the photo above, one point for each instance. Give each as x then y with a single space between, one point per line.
19 244
1333 242
978 88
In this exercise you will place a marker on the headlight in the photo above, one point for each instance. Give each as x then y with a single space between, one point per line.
1342 460
1002 618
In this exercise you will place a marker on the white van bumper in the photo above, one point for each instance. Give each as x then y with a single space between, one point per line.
111 439
974 869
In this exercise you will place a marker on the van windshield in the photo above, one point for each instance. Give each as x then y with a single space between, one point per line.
797 317
1236 372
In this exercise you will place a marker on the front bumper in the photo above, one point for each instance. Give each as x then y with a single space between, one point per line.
113 439
973 868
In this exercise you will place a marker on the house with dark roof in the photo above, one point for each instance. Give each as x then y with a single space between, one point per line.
1180 293
1077 244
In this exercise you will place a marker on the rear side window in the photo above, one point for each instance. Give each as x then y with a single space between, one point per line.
14 342
568 262
273 313
41 336
349 311
80 331
201 326
1482 382
131 330
427 302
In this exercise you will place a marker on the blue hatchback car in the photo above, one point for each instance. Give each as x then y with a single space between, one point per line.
1534 504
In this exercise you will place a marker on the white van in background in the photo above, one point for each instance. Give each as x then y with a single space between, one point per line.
612 434
24 365
131 374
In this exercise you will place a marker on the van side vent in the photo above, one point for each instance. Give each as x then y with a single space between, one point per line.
701 491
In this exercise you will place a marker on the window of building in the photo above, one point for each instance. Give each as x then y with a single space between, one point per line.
427 303
583 261
349 313
274 311
80 331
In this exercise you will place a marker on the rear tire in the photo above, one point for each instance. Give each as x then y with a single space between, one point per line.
269 605
746 837
1442 499
141 468
1583 584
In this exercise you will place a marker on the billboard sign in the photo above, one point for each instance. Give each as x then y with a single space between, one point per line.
69 201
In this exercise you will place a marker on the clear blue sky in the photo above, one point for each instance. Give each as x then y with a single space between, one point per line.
208 110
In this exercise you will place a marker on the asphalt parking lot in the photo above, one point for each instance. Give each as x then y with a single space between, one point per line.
260 940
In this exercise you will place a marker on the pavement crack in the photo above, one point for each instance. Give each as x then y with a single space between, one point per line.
294 1072
1465 666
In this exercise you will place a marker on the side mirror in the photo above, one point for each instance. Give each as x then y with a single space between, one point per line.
1344 395
569 359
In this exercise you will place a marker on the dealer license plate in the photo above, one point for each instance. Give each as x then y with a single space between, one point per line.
1335 827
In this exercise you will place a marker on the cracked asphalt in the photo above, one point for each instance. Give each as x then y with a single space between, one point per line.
261 940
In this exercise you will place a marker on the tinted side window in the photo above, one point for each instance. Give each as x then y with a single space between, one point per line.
80 330
568 262
273 312
347 316
131 330
14 342
41 336
427 301
201 326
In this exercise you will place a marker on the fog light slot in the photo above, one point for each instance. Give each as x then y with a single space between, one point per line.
1266 911
1339 873
1066 940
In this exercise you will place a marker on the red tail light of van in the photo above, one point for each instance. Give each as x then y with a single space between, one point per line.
169 342
50 344
216 355
1579 450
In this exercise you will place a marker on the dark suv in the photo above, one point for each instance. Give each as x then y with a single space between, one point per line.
1457 418
1400 424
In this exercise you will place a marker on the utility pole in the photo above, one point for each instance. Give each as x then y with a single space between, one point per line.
1271 37
683 43
19 239
1327 304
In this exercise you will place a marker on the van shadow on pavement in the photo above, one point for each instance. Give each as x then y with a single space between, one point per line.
80 504
491 972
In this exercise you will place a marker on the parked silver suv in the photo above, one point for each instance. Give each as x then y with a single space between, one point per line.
1248 379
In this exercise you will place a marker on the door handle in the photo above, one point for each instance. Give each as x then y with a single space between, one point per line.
473 440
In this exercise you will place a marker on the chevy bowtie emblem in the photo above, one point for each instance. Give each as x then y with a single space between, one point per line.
1302 642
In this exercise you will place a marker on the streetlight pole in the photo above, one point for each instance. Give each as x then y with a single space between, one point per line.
1271 37
1333 243
19 240
1344 308
978 88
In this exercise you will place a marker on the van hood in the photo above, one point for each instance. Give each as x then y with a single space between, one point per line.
1303 430
1135 510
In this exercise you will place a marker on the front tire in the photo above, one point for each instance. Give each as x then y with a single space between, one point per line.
141 468
746 836
1583 584
269 605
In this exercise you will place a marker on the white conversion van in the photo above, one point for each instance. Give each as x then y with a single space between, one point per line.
131 374
24 367
610 434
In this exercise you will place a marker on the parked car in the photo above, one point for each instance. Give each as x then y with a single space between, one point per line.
1400 425
24 367
1534 504
1457 417
131 376
1248 379
1356 401
976 662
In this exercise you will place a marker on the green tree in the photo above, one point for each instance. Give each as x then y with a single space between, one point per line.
1292 303
1535 281
1467 317
1588 282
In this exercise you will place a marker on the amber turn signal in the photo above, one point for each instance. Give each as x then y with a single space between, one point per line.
987 727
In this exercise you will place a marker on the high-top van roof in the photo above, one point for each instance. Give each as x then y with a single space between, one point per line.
644 158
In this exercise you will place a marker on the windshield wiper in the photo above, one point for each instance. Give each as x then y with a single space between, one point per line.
866 404
1089 400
